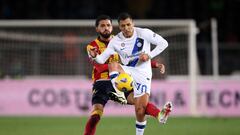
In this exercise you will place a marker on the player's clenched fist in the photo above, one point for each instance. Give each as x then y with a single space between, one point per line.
161 68
144 57
92 51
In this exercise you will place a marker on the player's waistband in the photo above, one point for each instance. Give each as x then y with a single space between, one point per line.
102 80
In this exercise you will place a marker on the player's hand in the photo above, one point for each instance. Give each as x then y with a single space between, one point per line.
93 52
161 67
144 57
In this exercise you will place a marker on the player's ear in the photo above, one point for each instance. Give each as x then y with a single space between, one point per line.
97 29
132 23
119 26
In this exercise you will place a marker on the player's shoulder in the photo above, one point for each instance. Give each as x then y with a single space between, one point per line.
92 44
117 37
143 32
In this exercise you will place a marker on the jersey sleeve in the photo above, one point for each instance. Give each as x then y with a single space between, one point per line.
102 58
156 39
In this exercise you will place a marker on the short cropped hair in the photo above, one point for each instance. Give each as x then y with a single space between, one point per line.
102 17
124 16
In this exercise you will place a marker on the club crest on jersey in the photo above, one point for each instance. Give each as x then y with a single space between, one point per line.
122 44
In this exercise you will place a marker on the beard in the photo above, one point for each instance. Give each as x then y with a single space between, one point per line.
107 35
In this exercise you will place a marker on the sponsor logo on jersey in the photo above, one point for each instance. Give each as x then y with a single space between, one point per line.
125 55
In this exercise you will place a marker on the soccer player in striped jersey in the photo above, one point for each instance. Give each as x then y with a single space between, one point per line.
132 44
102 86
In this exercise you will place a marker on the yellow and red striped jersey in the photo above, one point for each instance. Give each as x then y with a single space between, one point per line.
100 71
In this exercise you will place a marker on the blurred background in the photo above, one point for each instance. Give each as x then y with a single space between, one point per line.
225 11
45 75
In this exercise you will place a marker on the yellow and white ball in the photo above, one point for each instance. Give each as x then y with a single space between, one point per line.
124 82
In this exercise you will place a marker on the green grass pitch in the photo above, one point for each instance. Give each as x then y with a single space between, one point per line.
118 126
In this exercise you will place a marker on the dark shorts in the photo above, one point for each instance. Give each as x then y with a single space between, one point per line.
101 90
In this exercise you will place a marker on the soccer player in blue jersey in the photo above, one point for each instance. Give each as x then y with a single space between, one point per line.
132 44
102 86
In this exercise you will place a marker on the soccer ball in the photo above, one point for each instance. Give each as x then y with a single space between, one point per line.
124 82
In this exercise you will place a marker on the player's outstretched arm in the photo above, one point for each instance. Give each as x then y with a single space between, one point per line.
102 58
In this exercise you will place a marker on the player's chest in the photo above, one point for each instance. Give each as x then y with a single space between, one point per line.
129 46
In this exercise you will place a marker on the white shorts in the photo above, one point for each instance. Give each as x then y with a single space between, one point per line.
142 82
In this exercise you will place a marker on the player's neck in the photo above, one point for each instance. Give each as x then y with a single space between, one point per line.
127 36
